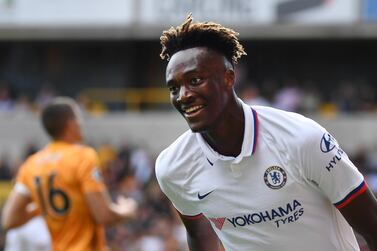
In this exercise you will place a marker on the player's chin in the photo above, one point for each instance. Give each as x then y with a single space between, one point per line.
198 127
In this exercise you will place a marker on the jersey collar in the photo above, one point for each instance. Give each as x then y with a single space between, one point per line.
249 140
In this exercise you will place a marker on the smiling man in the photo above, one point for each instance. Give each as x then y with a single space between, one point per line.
256 178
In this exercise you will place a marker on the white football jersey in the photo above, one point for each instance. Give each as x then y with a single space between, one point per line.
281 193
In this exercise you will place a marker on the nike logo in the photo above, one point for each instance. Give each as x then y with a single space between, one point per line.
200 197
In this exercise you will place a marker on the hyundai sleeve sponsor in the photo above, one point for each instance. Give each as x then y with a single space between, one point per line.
328 143
335 160
326 164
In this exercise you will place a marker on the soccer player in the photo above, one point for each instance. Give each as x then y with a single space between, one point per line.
64 181
257 177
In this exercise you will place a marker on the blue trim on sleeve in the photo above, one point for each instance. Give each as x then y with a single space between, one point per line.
353 192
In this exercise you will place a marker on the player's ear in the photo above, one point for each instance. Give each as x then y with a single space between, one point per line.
70 125
229 78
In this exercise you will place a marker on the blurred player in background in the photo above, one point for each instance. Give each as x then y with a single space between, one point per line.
65 183
257 177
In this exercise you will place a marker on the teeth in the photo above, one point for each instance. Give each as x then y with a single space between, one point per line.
193 108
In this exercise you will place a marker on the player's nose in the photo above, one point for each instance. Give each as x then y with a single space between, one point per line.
184 95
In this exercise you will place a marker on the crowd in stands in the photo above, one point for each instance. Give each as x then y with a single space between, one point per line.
130 172
310 97
288 94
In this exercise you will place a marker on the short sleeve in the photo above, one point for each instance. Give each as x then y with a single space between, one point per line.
21 176
328 166
89 173
169 184
21 184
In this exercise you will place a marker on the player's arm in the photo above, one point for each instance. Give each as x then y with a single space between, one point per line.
324 162
17 210
200 235
104 211
361 214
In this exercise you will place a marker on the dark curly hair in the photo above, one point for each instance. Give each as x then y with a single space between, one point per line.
206 34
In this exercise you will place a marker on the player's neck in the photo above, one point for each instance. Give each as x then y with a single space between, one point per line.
68 139
227 137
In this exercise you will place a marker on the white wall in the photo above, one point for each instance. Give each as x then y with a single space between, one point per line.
148 12
114 19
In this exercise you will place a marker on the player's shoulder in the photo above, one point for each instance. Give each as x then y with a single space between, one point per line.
178 152
81 151
30 161
287 125
85 149
69 151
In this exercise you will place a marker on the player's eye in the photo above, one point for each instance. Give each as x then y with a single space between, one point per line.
173 89
196 81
